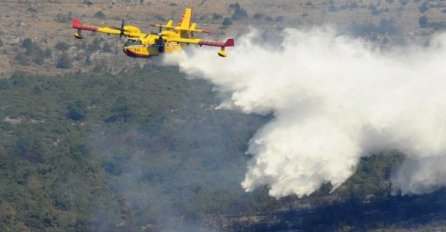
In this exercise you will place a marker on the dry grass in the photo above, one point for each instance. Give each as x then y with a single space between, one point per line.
37 19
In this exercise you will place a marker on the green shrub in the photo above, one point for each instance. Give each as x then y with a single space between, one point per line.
121 111
77 111
258 16
239 12
424 7
64 62
227 22
88 2
216 16
63 18
424 23
62 46
28 45
99 15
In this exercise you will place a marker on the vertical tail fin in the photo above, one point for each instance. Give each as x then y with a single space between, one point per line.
185 19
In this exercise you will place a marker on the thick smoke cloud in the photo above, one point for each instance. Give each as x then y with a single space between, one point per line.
334 99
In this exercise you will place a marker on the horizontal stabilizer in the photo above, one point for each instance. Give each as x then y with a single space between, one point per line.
193 27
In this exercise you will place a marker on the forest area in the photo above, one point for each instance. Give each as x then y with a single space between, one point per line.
147 151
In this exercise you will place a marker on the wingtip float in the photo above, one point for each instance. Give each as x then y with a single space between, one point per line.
170 38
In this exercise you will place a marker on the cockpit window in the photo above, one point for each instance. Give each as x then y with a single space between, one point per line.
128 42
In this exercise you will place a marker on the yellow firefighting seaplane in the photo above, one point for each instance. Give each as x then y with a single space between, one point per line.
169 38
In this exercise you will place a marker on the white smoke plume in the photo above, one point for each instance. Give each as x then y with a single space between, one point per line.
334 99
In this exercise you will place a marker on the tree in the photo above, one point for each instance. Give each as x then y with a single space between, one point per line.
424 7
38 59
77 111
332 7
95 45
99 15
403 2
29 147
47 53
374 9
423 22
88 60
227 22
239 12
28 45
216 16
63 18
258 16
121 111
279 19
87 2
62 46
32 10
106 48
64 62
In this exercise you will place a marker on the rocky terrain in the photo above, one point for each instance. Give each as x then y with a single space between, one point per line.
36 36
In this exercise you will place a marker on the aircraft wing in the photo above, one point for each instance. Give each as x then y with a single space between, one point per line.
228 43
128 31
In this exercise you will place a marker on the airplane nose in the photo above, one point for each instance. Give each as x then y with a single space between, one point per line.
127 51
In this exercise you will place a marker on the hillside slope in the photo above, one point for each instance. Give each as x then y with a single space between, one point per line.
53 50
147 151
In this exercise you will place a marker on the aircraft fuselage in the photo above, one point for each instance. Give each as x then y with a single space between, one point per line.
146 50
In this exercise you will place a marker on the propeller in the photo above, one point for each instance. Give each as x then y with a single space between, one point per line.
121 29
160 39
